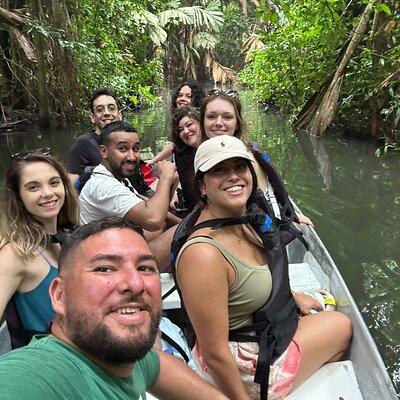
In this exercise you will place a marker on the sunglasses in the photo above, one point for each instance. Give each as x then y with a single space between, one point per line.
45 151
218 92
101 109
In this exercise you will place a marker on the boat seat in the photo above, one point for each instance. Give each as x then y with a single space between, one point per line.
334 381
303 277
173 301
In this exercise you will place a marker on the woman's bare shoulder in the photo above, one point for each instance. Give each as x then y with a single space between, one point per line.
10 258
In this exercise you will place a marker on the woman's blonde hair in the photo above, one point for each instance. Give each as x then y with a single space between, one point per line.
20 228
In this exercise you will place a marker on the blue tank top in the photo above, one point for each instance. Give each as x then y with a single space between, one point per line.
34 307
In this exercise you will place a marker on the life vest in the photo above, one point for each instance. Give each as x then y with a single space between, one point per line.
276 181
274 323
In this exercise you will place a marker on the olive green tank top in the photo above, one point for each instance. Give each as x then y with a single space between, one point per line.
251 288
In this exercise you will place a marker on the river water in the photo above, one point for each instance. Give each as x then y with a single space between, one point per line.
352 197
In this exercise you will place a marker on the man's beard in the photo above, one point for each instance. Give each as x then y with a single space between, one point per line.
100 341
118 170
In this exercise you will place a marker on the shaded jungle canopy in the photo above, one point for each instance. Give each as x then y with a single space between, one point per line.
312 59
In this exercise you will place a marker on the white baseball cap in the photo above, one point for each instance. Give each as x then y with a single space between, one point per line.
217 149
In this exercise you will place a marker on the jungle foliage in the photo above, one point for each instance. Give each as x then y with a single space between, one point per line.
55 52
303 42
67 48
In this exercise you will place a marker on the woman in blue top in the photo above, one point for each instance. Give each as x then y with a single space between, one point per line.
39 201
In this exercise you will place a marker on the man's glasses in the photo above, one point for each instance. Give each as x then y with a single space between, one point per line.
218 92
101 109
45 151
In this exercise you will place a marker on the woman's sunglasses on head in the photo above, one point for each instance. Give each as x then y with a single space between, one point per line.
45 151
217 92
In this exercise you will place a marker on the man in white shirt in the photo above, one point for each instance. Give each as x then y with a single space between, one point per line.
109 193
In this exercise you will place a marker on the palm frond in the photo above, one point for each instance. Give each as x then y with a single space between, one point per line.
181 16
220 74
211 20
205 41
252 44
157 34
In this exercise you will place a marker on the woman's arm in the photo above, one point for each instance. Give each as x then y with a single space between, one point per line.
306 303
203 276
12 269
166 153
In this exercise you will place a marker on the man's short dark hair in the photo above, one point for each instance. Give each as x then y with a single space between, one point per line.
92 228
116 126
104 91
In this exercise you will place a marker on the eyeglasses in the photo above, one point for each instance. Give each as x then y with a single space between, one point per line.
101 109
218 92
45 151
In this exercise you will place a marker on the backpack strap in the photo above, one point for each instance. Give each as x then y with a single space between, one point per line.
175 345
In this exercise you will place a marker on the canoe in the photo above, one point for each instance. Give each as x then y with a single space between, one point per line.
362 376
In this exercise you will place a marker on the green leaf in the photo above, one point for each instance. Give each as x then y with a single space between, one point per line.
384 8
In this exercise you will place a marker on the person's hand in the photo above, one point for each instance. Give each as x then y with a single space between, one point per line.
304 220
166 170
174 201
151 163
306 303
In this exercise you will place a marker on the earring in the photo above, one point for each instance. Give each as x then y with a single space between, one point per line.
203 197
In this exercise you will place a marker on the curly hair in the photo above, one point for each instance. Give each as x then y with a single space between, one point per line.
20 228
177 115
197 94
240 125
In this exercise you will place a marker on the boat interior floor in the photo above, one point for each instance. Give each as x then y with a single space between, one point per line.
333 381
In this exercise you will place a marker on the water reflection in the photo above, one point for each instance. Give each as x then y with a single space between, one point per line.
352 197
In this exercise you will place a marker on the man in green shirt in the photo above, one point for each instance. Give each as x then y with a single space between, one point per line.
107 300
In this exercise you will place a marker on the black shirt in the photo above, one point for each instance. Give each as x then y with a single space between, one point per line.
85 151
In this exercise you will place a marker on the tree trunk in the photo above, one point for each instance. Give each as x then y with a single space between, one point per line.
326 109
320 108
44 115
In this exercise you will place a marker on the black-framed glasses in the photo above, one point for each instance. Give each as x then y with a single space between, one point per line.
101 108
23 155
217 92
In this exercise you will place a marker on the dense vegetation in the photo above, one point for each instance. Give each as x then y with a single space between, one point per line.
53 53
303 44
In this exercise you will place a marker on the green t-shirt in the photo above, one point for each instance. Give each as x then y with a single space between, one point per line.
49 369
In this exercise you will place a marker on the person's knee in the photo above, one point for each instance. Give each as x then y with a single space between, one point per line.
344 327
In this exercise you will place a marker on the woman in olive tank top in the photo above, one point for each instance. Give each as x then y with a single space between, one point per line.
224 276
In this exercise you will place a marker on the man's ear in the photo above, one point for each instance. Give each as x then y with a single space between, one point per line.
103 151
119 115
57 295
92 118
